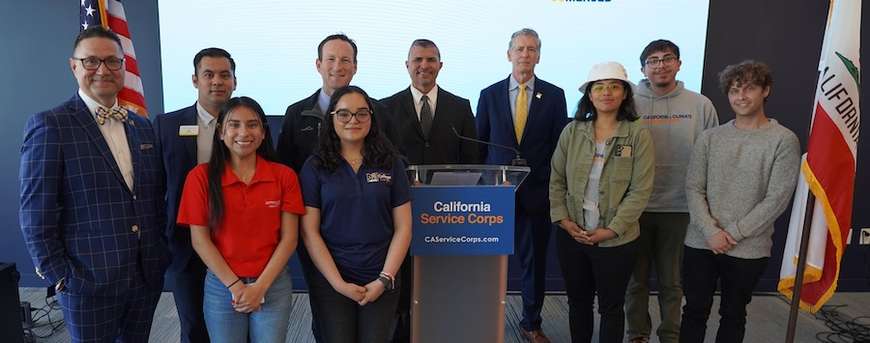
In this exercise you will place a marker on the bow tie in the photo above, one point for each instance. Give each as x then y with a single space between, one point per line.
117 113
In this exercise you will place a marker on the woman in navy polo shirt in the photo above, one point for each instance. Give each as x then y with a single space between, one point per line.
357 223
243 211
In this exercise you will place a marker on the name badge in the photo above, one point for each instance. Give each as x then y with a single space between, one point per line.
188 130
623 150
375 177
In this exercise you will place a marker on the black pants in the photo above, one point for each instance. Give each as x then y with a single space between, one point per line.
308 272
403 312
187 289
591 270
702 270
531 237
342 320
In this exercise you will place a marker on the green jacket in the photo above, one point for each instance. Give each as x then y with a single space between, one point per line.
626 180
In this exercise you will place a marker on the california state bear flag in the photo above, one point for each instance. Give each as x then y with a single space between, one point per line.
828 167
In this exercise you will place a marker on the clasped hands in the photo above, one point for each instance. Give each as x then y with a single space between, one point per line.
586 237
721 242
361 294
247 298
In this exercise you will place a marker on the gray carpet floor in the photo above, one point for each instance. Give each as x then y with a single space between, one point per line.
767 322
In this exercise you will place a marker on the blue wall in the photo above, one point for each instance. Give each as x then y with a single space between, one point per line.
35 76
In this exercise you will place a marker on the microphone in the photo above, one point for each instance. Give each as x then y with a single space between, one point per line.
517 161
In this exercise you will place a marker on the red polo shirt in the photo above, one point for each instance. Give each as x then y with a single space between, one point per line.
251 227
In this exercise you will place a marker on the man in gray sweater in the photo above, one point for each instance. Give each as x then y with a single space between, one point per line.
675 117
740 179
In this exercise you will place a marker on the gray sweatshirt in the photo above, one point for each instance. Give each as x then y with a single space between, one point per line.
675 120
741 180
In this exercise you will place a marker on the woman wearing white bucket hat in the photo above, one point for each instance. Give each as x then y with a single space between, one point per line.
601 179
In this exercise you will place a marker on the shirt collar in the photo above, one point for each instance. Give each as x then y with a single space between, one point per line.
92 104
203 114
323 101
262 173
417 95
514 84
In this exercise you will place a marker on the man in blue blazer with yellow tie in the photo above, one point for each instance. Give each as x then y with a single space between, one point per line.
185 139
92 210
528 114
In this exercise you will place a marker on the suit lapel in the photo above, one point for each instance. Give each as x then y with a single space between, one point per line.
86 119
189 118
135 148
506 109
442 112
534 108
411 112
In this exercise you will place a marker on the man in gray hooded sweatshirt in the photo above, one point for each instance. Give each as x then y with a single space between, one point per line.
676 117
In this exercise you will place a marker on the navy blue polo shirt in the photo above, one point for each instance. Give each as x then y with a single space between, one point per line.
356 213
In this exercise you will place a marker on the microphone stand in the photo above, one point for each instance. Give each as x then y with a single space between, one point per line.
517 161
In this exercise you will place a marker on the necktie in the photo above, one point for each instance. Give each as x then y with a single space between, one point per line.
522 110
425 116
117 113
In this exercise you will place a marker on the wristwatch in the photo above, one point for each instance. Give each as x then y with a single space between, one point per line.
388 283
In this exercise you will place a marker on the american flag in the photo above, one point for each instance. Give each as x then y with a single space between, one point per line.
110 14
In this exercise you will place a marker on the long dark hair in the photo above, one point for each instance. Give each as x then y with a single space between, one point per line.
586 110
378 152
220 154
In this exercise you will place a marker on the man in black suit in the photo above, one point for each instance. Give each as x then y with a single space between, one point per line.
426 116
185 139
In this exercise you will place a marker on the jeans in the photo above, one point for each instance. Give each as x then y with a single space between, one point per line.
268 324
702 270
660 246
342 320
590 270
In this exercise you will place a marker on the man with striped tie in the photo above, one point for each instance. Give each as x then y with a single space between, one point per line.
528 114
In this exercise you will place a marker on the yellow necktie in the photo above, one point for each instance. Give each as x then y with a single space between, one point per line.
522 109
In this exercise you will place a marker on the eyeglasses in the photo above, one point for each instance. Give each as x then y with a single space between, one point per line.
93 63
667 60
343 116
613 87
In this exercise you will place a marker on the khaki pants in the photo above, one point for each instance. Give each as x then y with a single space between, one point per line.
660 247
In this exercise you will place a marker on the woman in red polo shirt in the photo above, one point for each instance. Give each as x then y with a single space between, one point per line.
243 211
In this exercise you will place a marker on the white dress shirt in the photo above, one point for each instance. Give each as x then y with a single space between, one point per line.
205 136
418 100
514 91
116 138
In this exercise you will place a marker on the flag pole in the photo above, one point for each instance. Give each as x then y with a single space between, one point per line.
801 267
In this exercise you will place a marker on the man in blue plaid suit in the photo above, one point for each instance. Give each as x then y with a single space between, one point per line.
92 209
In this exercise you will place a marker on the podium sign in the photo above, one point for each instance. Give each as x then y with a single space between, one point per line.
463 232
456 221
